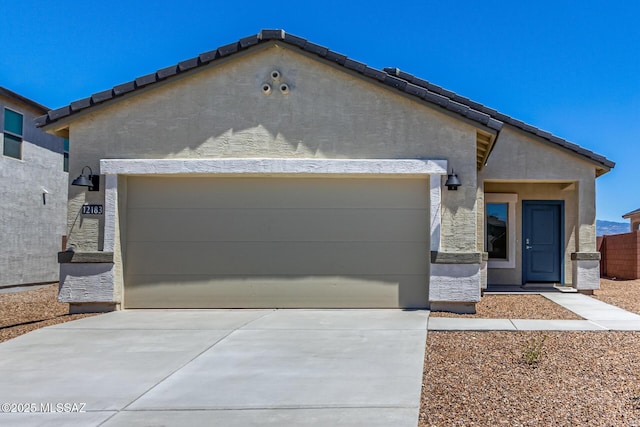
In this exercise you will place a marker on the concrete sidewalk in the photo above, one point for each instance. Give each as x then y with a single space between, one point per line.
599 316
10 289
220 367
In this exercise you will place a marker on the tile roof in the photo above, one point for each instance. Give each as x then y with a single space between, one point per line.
392 77
501 117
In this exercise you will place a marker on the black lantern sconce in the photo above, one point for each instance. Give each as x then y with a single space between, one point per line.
91 181
452 181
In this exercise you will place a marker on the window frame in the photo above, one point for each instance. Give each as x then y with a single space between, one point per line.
510 200
65 155
10 133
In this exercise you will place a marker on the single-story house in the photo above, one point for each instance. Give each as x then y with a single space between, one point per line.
274 172
634 219
33 194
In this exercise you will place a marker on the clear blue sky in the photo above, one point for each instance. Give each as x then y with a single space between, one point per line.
569 67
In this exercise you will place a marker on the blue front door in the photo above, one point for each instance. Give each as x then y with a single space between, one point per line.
541 238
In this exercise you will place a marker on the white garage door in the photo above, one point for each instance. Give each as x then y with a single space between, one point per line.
202 242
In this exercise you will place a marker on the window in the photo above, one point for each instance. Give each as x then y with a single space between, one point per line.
497 221
65 160
12 146
500 231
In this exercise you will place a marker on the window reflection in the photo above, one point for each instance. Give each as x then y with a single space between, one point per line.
497 227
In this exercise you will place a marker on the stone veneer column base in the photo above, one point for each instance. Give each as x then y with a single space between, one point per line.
455 281
484 271
586 271
87 280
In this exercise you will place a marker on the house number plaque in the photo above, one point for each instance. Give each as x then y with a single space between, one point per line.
92 210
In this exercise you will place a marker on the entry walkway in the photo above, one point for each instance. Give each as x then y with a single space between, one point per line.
599 316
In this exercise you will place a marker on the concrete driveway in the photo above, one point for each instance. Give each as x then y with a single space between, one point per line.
218 367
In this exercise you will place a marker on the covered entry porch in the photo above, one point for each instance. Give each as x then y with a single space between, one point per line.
539 233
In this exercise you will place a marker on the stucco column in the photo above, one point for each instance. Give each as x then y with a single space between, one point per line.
87 278
480 226
586 260
110 208
456 263
435 198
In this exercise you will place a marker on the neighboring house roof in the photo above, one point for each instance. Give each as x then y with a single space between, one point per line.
391 77
23 100
627 215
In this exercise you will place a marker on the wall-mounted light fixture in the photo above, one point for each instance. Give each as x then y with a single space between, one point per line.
92 181
452 181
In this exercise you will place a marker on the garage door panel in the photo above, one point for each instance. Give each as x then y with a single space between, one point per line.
210 242
281 193
199 291
276 225
277 258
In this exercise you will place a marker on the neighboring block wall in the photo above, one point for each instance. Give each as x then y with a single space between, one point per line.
620 255
31 227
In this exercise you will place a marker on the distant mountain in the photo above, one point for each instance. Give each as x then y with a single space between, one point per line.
610 227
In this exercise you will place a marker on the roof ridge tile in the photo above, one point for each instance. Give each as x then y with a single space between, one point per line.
80 104
355 65
228 49
271 35
249 41
188 64
99 97
295 40
209 56
315 48
167 72
145 80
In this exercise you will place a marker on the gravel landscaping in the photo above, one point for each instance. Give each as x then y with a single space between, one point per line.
22 312
516 307
579 379
621 293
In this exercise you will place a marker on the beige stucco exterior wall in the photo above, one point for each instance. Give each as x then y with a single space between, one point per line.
521 156
221 111
535 170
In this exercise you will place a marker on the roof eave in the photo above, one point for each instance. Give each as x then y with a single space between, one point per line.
391 77
496 115
630 214
23 100
65 115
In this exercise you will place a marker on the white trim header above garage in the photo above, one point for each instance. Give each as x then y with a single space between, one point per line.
273 166
247 167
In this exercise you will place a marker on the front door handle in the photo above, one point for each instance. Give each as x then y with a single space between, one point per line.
528 247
